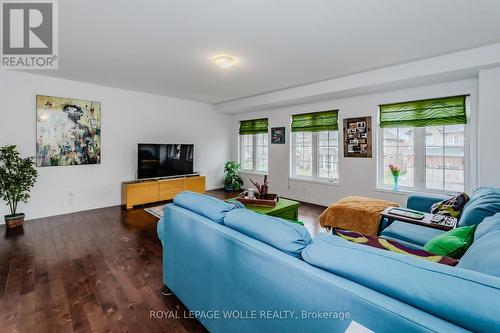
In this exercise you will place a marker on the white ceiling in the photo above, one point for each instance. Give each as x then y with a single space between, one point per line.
165 47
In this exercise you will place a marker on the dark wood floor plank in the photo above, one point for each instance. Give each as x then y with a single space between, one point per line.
26 321
28 275
4 266
93 271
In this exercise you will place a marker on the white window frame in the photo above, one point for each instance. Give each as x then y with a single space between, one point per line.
254 154
315 162
419 142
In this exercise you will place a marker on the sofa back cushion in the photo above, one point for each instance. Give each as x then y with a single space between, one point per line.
484 202
210 207
484 255
288 237
489 224
460 296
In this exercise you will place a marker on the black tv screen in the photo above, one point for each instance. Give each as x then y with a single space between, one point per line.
164 160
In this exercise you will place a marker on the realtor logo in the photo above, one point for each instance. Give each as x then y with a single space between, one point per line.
29 34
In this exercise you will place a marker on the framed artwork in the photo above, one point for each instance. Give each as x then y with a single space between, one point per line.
358 137
68 131
278 135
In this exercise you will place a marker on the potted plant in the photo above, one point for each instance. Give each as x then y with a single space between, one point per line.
232 180
17 177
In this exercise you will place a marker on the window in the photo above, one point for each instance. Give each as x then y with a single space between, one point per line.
398 148
254 145
445 158
429 151
316 155
444 162
303 153
315 146
261 152
246 158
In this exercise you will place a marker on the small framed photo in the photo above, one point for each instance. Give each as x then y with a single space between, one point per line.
278 135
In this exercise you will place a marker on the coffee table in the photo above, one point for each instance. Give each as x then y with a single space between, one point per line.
285 209
444 225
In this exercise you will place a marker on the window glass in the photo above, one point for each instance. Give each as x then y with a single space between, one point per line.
303 154
316 155
254 152
431 158
246 159
398 149
445 160
262 152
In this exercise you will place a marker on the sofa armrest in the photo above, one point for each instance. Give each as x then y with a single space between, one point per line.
423 203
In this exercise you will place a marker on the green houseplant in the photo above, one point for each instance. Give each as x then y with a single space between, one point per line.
232 180
17 177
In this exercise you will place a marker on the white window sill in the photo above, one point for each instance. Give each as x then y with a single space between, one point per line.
407 191
251 172
315 181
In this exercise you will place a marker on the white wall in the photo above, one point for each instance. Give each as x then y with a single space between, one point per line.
127 119
357 175
489 124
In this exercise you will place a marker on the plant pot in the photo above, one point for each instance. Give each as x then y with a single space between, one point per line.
14 221
230 188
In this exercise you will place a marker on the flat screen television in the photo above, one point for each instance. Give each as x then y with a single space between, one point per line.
164 160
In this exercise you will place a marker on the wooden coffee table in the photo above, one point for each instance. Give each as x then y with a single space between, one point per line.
444 225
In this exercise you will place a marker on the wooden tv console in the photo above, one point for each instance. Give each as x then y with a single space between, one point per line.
148 191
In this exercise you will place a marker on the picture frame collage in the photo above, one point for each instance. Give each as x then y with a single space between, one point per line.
357 137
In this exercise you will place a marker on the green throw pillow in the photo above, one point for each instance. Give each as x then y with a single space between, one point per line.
453 243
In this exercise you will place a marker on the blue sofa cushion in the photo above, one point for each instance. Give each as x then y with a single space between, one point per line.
210 207
489 224
484 202
437 289
288 237
410 233
484 255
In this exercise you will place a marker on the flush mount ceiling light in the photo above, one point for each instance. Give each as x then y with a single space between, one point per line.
224 61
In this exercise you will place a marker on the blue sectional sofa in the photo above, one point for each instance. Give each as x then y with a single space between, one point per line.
239 271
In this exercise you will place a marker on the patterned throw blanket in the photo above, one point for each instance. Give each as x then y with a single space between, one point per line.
451 207
393 246
355 213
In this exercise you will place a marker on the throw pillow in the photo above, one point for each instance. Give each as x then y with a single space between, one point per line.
452 206
452 243
393 246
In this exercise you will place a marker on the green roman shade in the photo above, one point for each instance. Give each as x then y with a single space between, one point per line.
315 122
429 112
253 126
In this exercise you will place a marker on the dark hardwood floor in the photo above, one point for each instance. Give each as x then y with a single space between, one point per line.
92 271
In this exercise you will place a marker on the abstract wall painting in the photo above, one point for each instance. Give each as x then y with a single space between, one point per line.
68 131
